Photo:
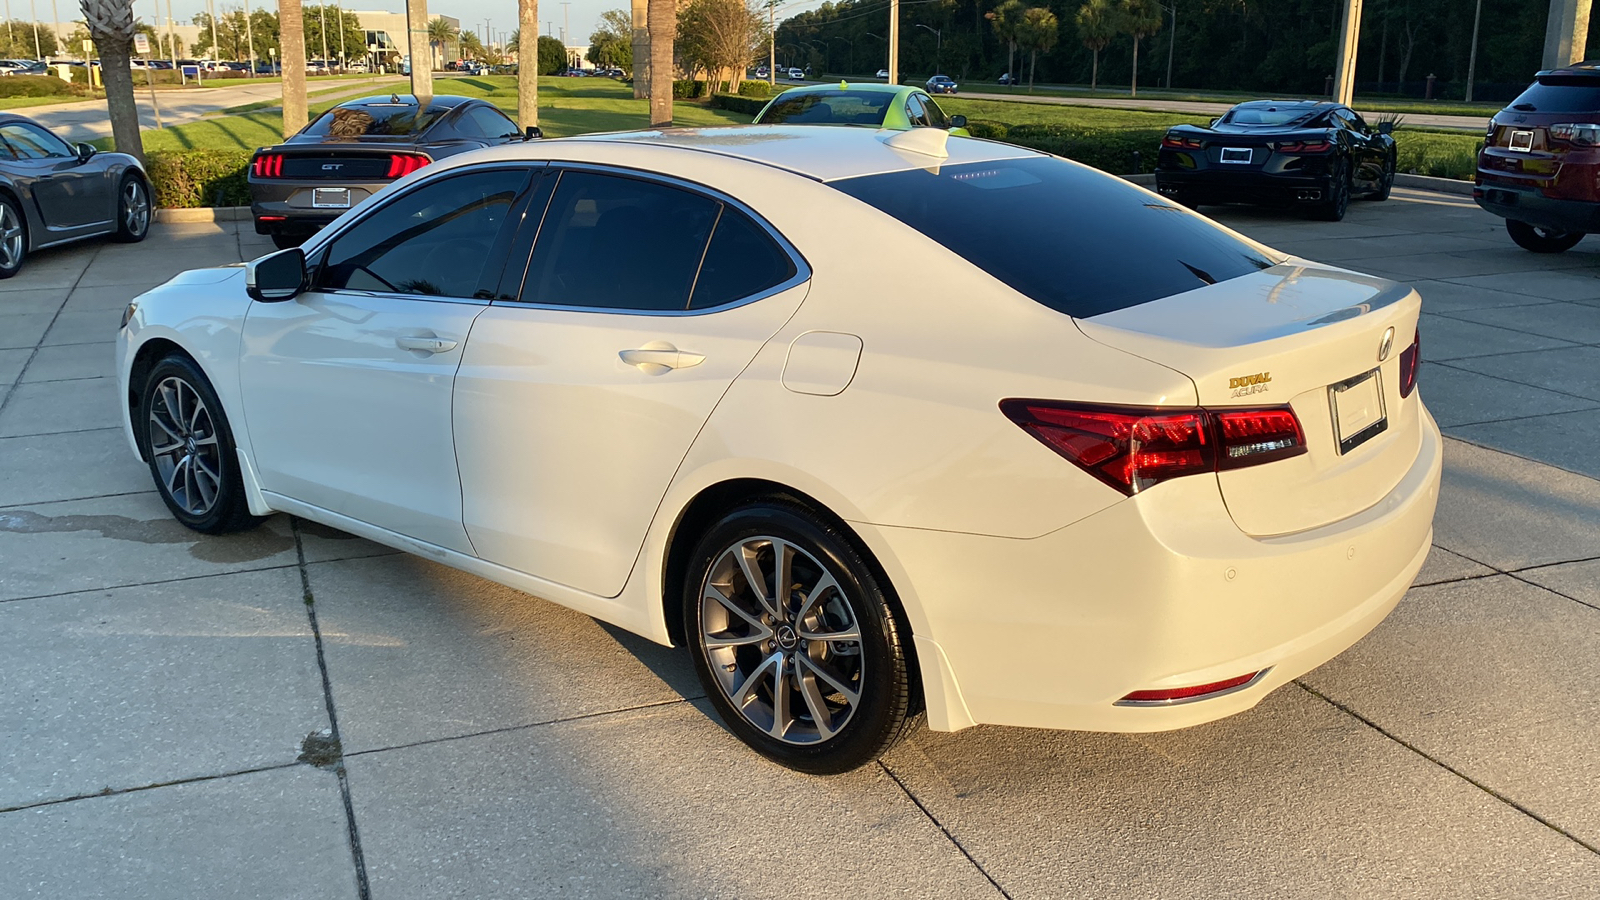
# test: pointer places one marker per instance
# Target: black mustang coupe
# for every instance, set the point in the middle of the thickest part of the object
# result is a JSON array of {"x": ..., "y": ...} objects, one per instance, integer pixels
[
  {"x": 356, "y": 148},
  {"x": 1306, "y": 153}
]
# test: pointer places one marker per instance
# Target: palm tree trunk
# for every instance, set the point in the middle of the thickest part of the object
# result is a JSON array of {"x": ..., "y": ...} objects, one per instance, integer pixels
[
  {"x": 292, "y": 44},
  {"x": 663, "y": 30},
  {"x": 641, "y": 49},
  {"x": 1133, "y": 89},
  {"x": 110, "y": 23},
  {"x": 528, "y": 63}
]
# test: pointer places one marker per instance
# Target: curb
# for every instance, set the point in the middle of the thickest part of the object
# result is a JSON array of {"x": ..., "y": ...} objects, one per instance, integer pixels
[
  {"x": 210, "y": 214},
  {"x": 1430, "y": 183}
]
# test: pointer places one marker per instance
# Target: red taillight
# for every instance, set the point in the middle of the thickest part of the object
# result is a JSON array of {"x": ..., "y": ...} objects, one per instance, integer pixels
[
  {"x": 1303, "y": 147},
  {"x": 1410, "y": 364},
  {"x": 1195, "y": 692},
  {"x": 1132, "y": 448},
  {"x": 267, "y": 165},
  {"x": 403, "y": 164},
  {"x": 1180, "y": 143}
]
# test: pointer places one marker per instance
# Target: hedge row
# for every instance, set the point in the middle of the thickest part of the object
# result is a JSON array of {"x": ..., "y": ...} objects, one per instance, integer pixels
[
  {"x": 185, "y": 179},
  {"x": 37, "y": 86},
  {"x": 1120, "y": 151},
  {"x": 694, "y": 90},
  {"x": 735, "y": 103}
]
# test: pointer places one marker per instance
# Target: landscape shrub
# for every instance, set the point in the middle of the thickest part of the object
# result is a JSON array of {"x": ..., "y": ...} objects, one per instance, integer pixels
[
  {"x": 35, "y": 86},
  {"x": 187, "y": 179},
  {"x": 689, "y": 90},
  {"x": 755, "y": 89},
  {"x": 1439, "y": 155},
  {"x": 735, "y": 103}
]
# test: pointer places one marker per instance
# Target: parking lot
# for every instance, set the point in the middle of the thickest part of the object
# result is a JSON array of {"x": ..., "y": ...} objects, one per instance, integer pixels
[{"x": 157, "y": 688}]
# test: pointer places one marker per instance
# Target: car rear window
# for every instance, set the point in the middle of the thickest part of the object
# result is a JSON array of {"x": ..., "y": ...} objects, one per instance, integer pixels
[
  {"x": 1559, "y": 94},
  {"x": 1073, "y": 238},
  {"x": 1259, "y": 116},
  {"x": 373, "y": 120},
  {"x": 831, "y": 108}
]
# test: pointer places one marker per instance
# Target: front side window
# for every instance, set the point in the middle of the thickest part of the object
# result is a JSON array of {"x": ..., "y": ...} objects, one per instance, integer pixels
[
  {"x": 435, "y": 240},
  {"x": 916, "y": 113},
  {"x": 1074, "y": 239},
  {"x": 33, "y": 142},
  {"x": 936, "y": 116}
]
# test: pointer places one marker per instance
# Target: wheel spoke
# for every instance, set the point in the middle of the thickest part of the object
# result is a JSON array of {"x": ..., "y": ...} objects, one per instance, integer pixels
[
  {"x": 824, "y": 584},
  {"x": 715, "y": 593},
  {"x": 780, "y": 699},
  {"x": 850, "y": 633},
  {"x": 172, "y": 477},
  {"x": 741, "y": 695},
  {"x": 156, "y": 418},
  {"x": 206, "y": 485},
  {"x": 753, "y": 576},
  {"x": 190, "y": 492},
  {"x": 821, "y": 717},
  {"x": 782, "y": 574},
  {"x": 850, "y": 695}
]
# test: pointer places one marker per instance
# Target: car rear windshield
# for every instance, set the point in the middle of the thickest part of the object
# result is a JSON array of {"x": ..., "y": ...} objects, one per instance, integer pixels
[
  {"x": 831, "y": 108},
  {"x": 1557, "y": 94},
  {"x": 1258, "y": 116},
  {"x": 373, "y": 120},
  {"x": 1075, "y": 239}
]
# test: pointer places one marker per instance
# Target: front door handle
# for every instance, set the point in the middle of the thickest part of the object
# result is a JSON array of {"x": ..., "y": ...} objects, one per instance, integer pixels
[
  {"x": 660, "y": 357},
  {"x": 429, "y": 344}
]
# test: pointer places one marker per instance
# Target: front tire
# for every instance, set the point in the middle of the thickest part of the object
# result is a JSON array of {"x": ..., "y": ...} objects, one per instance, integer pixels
[
  {"x": 133, "y": 210},
  {"x": 13, "y": 237},
  {"x": 815, "y": 675},
  {"x": 1542, "y": 240},
  {"x": 1387, "y": 183},
  {"x": 190, "y": 449}
]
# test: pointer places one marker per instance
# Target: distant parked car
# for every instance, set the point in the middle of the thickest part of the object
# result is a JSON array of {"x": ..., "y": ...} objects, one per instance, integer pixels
[
  {"x": 797, "y": 74},
  {"x": 1006, "y": 79},
  {"x": 884, "y": 74},
  {"x": 941, "y": 84},
  {"x": 1307, "y": 153},
  {"x": 1538, "y": 168},
  {"x": 55, "y": 192},
  {"x": 353, "y": 150}
]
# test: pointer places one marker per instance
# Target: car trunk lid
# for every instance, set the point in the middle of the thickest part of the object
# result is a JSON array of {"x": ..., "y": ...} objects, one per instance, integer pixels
[
  {"x": 340, "y": 162},
  {"x": 1304, "y": 336}
]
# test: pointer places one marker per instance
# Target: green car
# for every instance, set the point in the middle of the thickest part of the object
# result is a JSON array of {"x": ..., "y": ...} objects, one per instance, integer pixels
[{"x": 898, "y": 107}]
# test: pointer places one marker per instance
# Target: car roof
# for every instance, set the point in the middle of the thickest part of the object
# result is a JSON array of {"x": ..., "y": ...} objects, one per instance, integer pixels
[
  {"x": 1284, "y": 104},
  {"x": 1589, "y": 68},
  {"x": 867, "y": 87},
  {"x": 817, "y": 152},
  {"x": 448, "y": 101}
]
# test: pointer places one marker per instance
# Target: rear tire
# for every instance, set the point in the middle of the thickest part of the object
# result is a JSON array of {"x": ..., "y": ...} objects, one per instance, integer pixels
[
  {"x": 815, "y": 676},
  {"x": 1333, "y": 208},
  {"x": 190, "y": 448},
  {"x": 1542, "y": 240}
]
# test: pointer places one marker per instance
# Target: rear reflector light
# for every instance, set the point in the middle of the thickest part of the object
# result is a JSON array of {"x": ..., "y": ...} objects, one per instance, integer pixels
[
  {"x": 1410, "y": 364},
  {"x": 1195, "y": 692},
  {"x": 1134, "y": 448},
  {"x": 267, "y": 165},
  {"x": 274, "y": 218},
  {"x": 401, "y": 165}
]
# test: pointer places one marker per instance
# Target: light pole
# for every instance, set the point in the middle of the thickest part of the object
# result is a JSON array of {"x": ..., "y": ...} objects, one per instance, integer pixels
[
  {"x": 879, "y": 37},
  {"x": 851, "y": 47},
  {"x": 250, "y": 38},
  {"x": 1172, "y": 38},
  {"x": 772, "y": 43},
  {"x": 1472, "y": 57},
  {"x": 34, "y": 10},
  {"x": 938, "y": 47},
  {"x": 322, "y": 29},
  {"x": 827, "y": 62}
]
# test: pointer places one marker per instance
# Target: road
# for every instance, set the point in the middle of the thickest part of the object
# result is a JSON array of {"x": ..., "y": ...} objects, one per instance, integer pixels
[
  {"x": 158, "y": 684},
  {"x": 86, "y": 120}
]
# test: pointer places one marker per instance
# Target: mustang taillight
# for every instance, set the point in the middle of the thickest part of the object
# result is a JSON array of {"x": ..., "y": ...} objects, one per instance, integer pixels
[
  {"x": 1410, "y": 365},
  {"x": 267, "y": 165},
  {"x": 1134, "y": 448},
  {"x": 1302, "y": 147},
  {"x": 403, "y": 164},
  {"x": 1179, "y": 142}
]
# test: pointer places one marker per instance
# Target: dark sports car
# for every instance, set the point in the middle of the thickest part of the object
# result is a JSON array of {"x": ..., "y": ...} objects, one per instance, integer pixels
[
  {"x": 52, "y": 192},
  {"x": 354, "y": 149},
  {"x": 1307, "y": 153}
]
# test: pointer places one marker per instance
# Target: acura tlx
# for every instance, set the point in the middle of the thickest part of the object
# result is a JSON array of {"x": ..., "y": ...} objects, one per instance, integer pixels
[{"x": 871, "y": 422}]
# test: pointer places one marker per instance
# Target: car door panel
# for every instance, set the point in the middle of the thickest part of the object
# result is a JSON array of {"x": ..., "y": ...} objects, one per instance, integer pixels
[{"x": 67, "y": 192}]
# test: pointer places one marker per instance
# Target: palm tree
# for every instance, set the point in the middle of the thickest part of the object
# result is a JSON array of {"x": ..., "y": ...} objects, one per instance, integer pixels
[
  {"x": 1007, "y": 17},
  {"x": 1140, "y": 18},
  {"x": 111, "y": 27},
  {"x": 1037, "y": 34},
  {"x": 528, "y": 63},
  {"x": 1097, "y": 25},
  {"x": 641, "y": 49},
  {"x": 663, "y": 31},
  {"x": 292, "y": 44},
  {"x": 440, "y": 35}
]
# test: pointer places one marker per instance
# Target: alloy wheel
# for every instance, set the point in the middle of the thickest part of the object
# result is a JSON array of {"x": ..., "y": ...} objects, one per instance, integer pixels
[
  {"x": 184, "y": 447},
  {"x": 136, "y": 208},
  {"x": 11, "y": 237},
  {"x": 782, "y": 640}
]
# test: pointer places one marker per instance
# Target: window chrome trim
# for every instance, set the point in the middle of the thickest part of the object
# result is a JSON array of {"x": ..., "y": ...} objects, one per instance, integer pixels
[
  {"x": 802, "y": 269},
  {"x": 1199, "y": 697},
  {"x": 390, "y": 295}
]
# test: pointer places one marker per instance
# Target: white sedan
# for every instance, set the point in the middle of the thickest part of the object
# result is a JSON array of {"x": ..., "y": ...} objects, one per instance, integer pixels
[{"x": 872, "y": 422}]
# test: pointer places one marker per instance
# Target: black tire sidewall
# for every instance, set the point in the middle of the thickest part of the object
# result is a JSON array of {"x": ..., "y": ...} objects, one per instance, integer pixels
[
  {"x": 1338, "y": 201},
  {"x": 16, "y": 210},
  {"x": 885, "y": 696},
  {"x": 1528, "y": 238},
  {"x": 231, "y": 510},
  {"x": 123, "y": 233}
]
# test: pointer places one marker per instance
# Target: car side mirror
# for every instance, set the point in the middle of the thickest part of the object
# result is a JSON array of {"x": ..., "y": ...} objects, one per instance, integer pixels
[
  {"x": 958, "y": 121},
  {"x": 1213, "y": 123},
  {"x": 276, "y": 277},
  {"x": 532, "y": 133},
  {"x": 1385, "y": 127},
  {"x": 85, "y": 151}
]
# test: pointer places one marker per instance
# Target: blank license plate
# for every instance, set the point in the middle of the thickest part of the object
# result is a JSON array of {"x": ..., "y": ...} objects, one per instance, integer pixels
[
  {"x": 1236, "y": 155},
  {"x": 330, "y": 198},
  {"x": 1358, "y": 413}
]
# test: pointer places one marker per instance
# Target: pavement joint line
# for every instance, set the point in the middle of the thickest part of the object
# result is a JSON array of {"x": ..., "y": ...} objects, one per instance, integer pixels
[
  {"x": 74, "y": 499},
  {"x": 1460, "y": 280},
  {"x": 80, "y": 378},
  {"x": 1505, "y": 452},
  {"x": 13, "y": 437},
  {"x": 12, "y": 390},
  {"x": 358, "y": 858},
  {"x": 1349, "y": 711},
  {"x": 1519, "y": 418},
  {"x": 1457, "y": 316},
  {"x": 1516, "y": 577},
  {"x": 139, "y": 584},
  {"x": 1513, "y": 380},
  {"x": 598, "y": 714},
  {"x": 940, "y": 825},
  {"x": 117, "y": 792}
]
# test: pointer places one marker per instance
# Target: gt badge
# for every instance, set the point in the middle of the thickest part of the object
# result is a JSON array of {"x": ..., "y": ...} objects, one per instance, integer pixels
[
  {"x": 1387, "y": 344},
  {"x": 1244, "y": 385}
]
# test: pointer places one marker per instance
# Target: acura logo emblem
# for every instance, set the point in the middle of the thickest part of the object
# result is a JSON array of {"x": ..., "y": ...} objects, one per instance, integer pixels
[{"x": 1387, "y": 344}]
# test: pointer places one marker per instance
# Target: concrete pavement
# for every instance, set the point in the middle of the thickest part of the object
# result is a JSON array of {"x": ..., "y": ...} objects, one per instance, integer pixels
[{"x": 159, "y": 686}]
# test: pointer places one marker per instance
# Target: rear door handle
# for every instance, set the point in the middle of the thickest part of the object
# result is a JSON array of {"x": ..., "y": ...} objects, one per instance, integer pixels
[
  {"x": 658, "y": 357},
  {"x": 430, "y": 344}
]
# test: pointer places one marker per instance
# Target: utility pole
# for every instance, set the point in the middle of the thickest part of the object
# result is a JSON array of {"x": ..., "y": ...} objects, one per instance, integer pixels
[
  {"x": 566, "y": 25},
  {"x": 322, "y": 27},
  {"x": 1566, "y": 33},
  {"x": 172, "y": 38},
  {"x": 1172, "y": 38},
  {"x": 55, "y": 28},
  {"x": 1344, "y": 85},
  {"x": 33, "y": 9},
  {"x": 772, "y": 43},
  {"x": 421, "y": 53},
  {"x": 894, "y": 41},
  {"x": 1472, "y": 57},
  {"x": 250, "y": 38}
]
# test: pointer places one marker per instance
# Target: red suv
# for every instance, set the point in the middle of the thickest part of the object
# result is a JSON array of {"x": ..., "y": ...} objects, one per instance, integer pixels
[{"x": 1540, "y": 164}]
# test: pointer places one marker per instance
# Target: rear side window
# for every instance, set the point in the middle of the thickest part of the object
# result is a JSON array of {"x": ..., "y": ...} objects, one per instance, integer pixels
[
  {"x": 830, "y": 108},
  {"x": 1557, "y": 94},
  {"x": 1075, "y": 239},
  {"x": 490, "y": 123},
  {"x": 741, "y": 261}
]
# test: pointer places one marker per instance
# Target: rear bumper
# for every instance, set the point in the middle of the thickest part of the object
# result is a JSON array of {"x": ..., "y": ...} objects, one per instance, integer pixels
[
  {"x": 1524, "y": 203},
  {"x": 1242, "y": 187},
  {"x": 287, "y": 207},
  {"x": 1160, "y": 591}
]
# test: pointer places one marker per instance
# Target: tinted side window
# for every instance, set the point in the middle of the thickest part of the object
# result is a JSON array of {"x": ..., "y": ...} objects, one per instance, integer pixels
[
  {"x": 434, "y": 240},
  {"x": 31, "y": 142},
  {"x": 491, "y": 122},
  {"x": 915, "y": 110},
  {"x": 936, "y": 116},
  {"x": 618, "y": 243},
  {"x": 741, "y": 261}
]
